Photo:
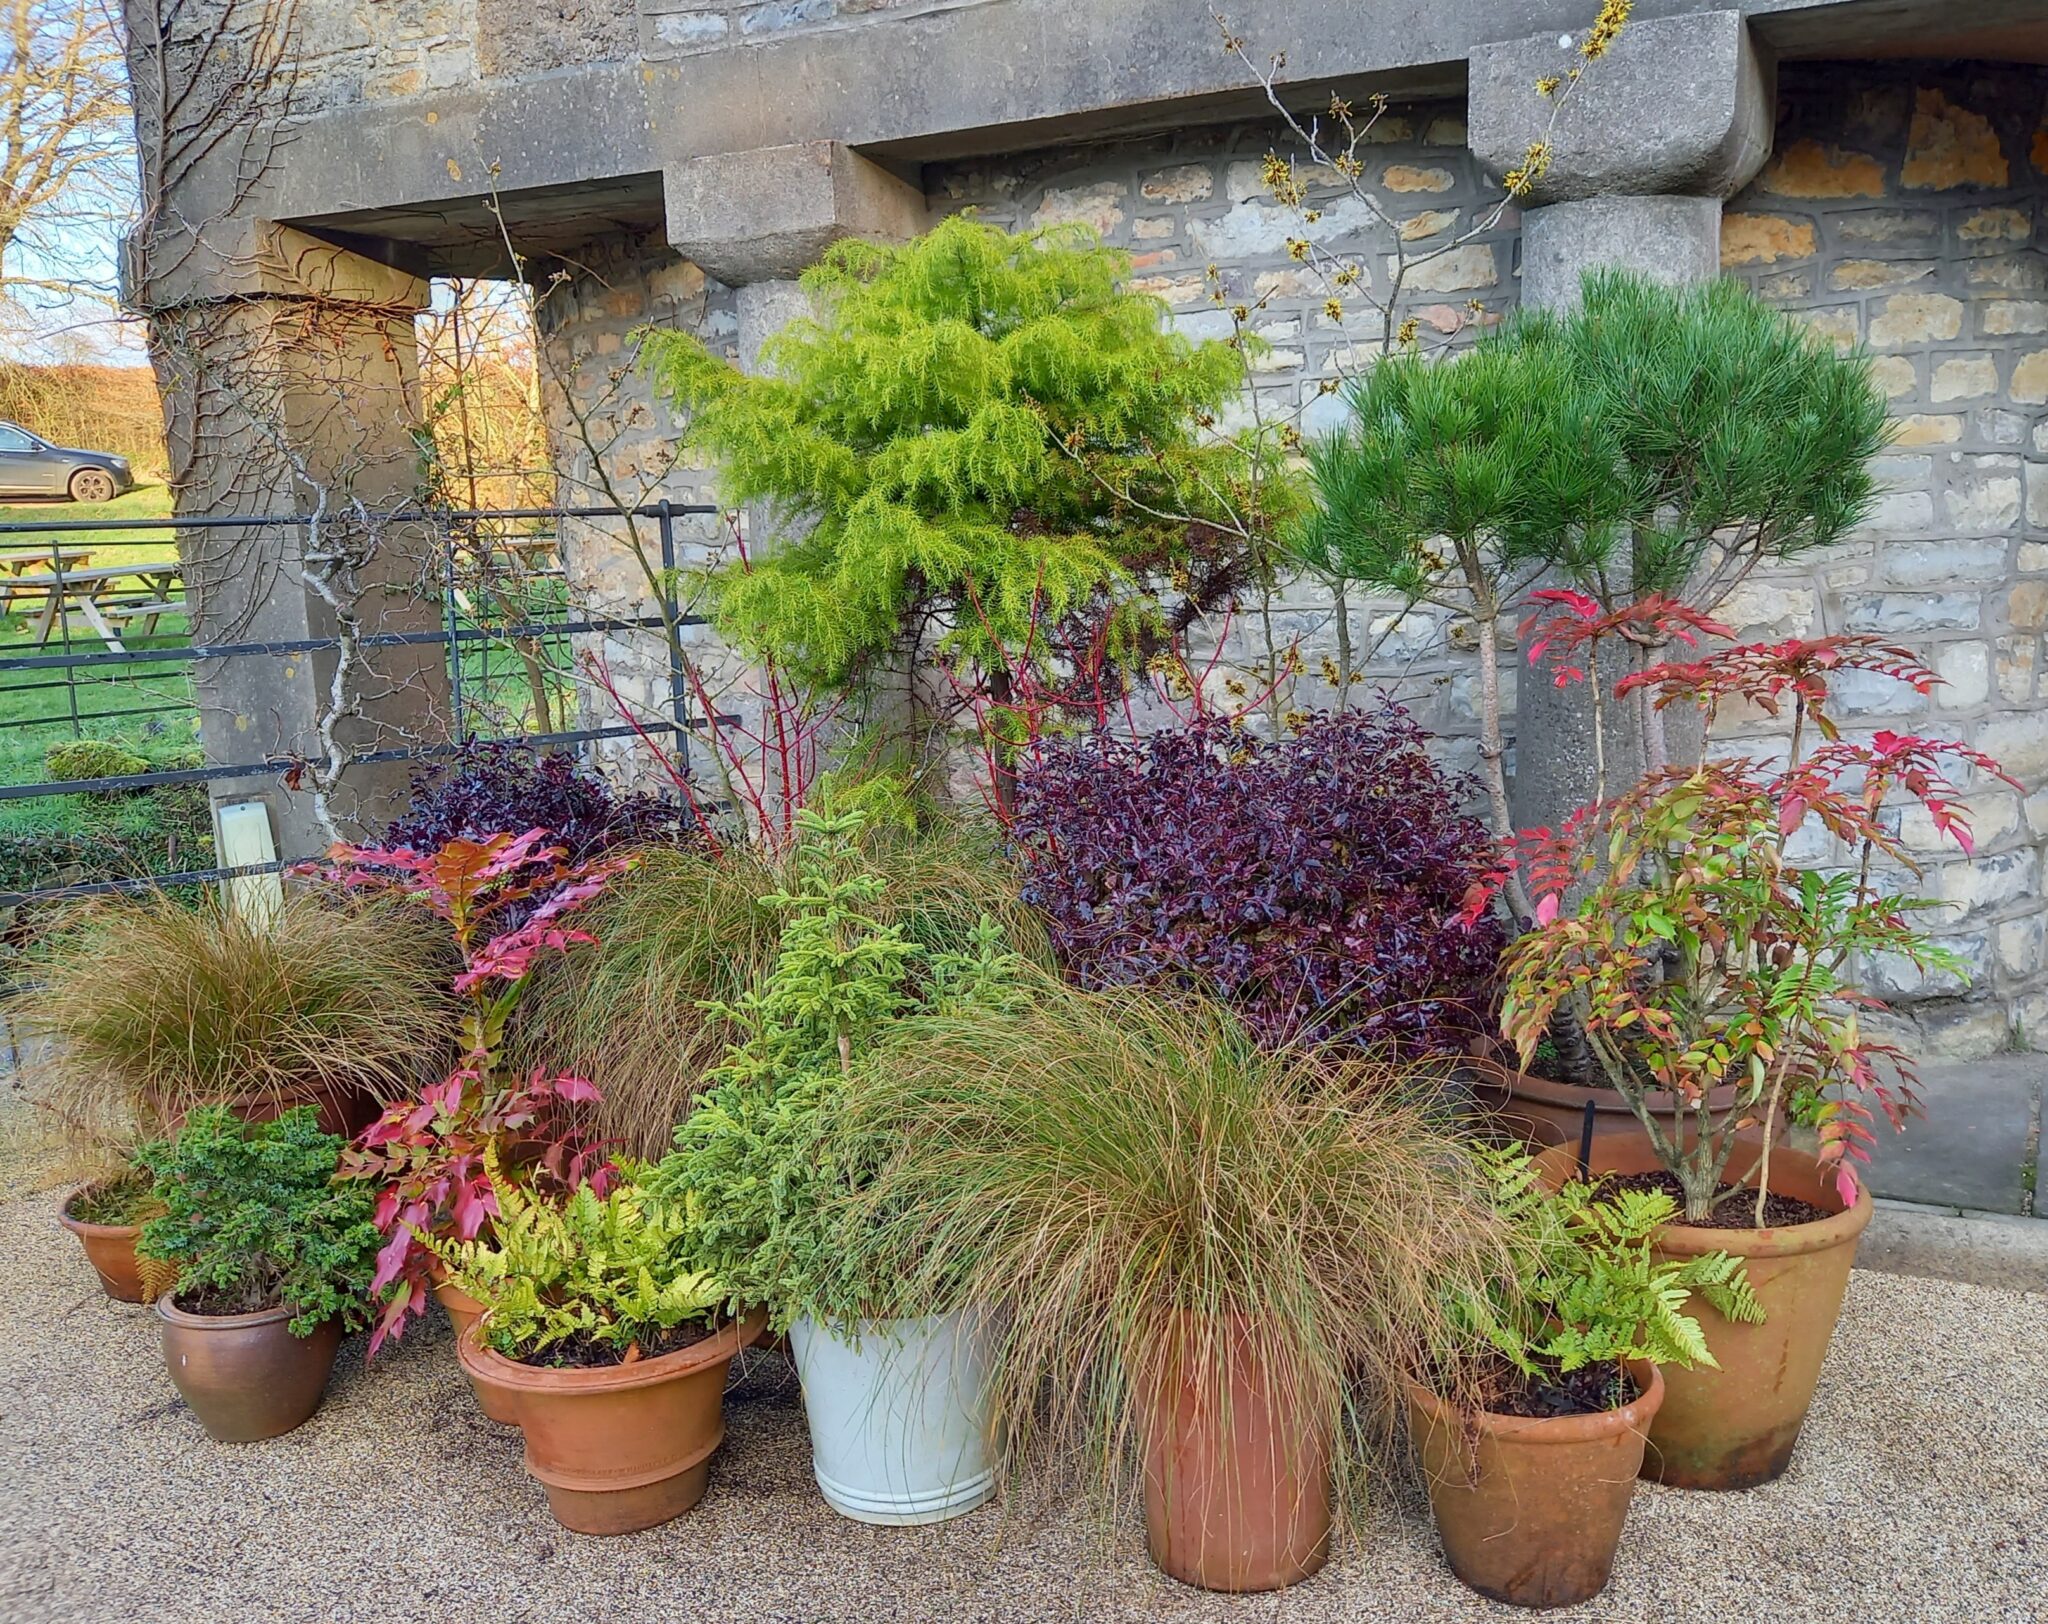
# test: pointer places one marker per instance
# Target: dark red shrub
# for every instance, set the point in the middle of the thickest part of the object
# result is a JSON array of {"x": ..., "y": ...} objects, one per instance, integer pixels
[{"x": 1313, "y": 882}]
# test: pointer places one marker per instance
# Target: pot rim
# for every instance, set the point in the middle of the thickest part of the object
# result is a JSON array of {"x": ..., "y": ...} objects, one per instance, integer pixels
[
  {"x": 1681, "y": 1239},
  {"x": 721, "y": 1344},
  {"x": 78, "y": 1226},
  {"x": 1547, "y": 1091},
  {"x": 175, "y": 1315},
  {"x": 1634, "y": 1416}
]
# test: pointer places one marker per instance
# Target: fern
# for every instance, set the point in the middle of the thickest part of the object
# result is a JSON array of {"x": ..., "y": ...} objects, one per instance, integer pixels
[
  {"x": 1589, "y": 1288},
  {"x": 593, "y": 1272}
]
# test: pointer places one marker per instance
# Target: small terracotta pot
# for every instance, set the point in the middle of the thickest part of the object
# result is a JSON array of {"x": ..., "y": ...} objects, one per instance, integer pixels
[
  {"x": 1530, "y": 1508},
  {"x": 1237, "y": 1478},
  {"x": 1736, "y": 1427},
  {"x": 623, "y": 1447},
  {"x": 1541, "y": 1112},
  {"x": 499, "y": 1404},
  {"x": 110, "y": 1249},
  {"x": 245, "y": 1375}
]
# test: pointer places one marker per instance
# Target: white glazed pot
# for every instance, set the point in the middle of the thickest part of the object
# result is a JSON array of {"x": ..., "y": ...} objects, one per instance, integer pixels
[{"x": 898, "y": 1414}]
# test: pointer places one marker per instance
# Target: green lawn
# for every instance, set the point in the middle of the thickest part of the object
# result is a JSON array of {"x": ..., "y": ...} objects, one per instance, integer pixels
[{"x": 144, "y": 502}]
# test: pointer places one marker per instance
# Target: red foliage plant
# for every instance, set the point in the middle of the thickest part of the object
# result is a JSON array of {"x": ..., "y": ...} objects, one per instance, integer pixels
[
  {"x": 426, "y": 1156},
  {"x": 1701, "y": 955}
]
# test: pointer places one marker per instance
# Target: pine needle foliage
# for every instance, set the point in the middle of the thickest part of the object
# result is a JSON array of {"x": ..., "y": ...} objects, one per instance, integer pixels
[
  {"x": 1654, "y": 440},
  {"x": 994, "y": 430}
]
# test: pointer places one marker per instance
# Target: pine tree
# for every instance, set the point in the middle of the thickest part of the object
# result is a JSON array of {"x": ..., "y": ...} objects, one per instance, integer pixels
[{"x": 977, "y": 439}]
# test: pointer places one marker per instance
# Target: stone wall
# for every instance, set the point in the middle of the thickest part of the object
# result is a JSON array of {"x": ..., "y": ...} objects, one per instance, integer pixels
[
  {"x": 1180, "y": 206},
  {"x": 1900, "y": 211},
  {"x": 616, "y": 445}
]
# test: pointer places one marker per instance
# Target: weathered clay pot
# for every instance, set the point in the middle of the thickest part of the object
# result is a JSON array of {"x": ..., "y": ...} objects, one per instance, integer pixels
[
  {"x": 623, "y": 1447},
  {"x": 245, "y": 1375},
  {"x": 1237, "y": 1478},
  {"x": 499, "y": 1404},
  {"x": 341, "y": 1110},
  {"x": 1540, "y": 1112},
  {"x": 110, "y": 1249},
  {"x": 1530, "y": 1508},
  {"x": 1735, "y": 1427}
]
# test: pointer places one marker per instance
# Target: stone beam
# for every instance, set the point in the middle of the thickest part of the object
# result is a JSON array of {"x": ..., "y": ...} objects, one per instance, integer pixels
[
  {"x": 1679, "y": 104},
  {"x": 762, "y": 216},
  {"x": 1000, "y": 75}
]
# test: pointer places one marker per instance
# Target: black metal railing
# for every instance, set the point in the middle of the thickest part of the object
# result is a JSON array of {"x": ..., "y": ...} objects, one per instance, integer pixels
[{"x": 467, "y": 631}]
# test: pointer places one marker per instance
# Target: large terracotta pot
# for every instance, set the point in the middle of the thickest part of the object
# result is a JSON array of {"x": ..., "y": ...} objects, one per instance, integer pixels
[
  {"x": 1735, "y": 1427},
  {"x": 1237, "y": 1477},
  {"x": 1518, "y": 1105},
  {"x": 341, "y": 1110},
  {"x": 1530, "y": 1508},
  {"x": 499, "y": 1404},
  {"x": 245, "y": 1375},
  {"x": 622, "y": 1447},
  {"x": 110, "y": 1249}
]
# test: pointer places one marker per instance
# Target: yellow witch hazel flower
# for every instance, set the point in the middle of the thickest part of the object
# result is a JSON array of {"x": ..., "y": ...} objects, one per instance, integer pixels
[{"x": 1606, "y": 28}]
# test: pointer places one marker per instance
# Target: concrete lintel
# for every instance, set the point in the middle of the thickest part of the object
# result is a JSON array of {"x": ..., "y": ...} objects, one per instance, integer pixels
[
  {"x": 1679, "y": 104},
  {"x": 766, "y": 215}
]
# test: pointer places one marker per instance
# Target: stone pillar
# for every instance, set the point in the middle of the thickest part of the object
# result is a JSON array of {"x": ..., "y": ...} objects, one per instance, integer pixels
[
  {"x": 755, "y": 221},
  {"x": 1675, "y": 118},
  {"x": 288, "y": 368}
]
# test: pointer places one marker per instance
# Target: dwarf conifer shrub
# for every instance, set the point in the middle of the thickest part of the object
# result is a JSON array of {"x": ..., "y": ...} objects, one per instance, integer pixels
[
  {"x": 1313, "y": 882},
  {"x": 253, "y": 1219},
  {"x": 974, "y": 438}
]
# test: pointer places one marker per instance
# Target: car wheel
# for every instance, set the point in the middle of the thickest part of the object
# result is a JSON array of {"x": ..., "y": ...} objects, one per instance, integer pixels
[{"x": 92, "y": 485}]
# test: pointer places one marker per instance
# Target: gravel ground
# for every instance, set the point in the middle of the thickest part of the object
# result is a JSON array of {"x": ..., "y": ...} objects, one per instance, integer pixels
[{"x": 1920, "y": 1493}]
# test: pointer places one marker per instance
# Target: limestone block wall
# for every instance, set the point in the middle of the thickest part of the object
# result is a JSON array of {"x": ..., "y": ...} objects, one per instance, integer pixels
[
  {"x": 1180, "y": 206},
  {"x": 616, "y": 445},
  {"x": 1900, "y": 212},
  {"x": 1903, "y": 210}
]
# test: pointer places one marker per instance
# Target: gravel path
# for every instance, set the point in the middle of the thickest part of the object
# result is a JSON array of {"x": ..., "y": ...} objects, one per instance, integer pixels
[{"x": 1920, "y": 1494}]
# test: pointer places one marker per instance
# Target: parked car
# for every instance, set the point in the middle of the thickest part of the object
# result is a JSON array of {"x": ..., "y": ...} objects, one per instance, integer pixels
[{"x": 31, "y": 466}]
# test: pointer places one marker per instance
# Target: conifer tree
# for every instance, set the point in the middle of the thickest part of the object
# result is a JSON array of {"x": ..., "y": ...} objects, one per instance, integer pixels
[{"x": 976, "y": 442}]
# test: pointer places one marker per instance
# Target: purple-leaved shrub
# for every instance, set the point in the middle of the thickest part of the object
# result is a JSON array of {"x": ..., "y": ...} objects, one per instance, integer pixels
[{"x": 1312, "y": 882}]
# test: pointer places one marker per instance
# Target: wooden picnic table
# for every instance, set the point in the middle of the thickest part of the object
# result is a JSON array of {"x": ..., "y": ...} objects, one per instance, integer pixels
[
  {"x": 96, "y": 596},
  {"x": 19, "y": 560}
]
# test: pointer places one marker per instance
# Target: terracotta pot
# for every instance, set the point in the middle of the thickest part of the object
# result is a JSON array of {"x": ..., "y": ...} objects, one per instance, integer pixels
[
  {"x": 245, "y": 1375},
  {"x": 1530, "y": 1508},
  {"x": 623, "y": 1447},
  {"x": 1540, "y": 1112},
  {"x": 342, "y": 1110},
  {"x": 499, "y": 1404},
  {"x": 110, "y": 1249},
  {"x": 1735, "y": 1427},
  {"x": 1237, "y": 1478}
]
